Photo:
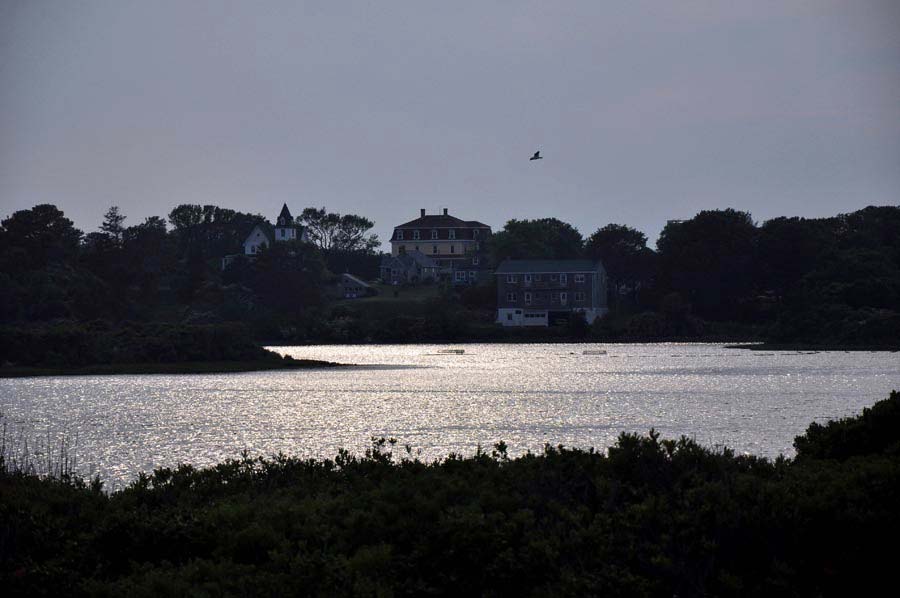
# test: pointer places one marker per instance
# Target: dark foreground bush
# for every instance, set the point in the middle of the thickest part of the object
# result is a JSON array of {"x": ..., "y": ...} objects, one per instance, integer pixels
[{"x": 651, "y": 518}]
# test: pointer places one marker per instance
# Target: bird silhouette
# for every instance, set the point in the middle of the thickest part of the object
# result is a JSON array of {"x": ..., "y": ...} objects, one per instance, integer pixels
[{"x": 537, "y": 156}]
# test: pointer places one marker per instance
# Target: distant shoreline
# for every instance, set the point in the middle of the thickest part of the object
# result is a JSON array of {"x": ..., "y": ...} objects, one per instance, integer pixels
[
  {"x": 189, "y": 367},
  {"x": 808, "y": 347},
  {"x": 754, "y": 345}
]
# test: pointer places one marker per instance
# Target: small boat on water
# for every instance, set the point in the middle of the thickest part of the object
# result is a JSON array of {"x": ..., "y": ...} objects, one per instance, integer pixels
[
  {"x": 451, "y": 351},
  {"x": 594, "y": 352}
]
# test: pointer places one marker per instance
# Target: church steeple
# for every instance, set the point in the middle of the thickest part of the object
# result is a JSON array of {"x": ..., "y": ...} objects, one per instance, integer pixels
[
  {"x": 285, "y": 218},
  {"x": 285, "y": 229}
]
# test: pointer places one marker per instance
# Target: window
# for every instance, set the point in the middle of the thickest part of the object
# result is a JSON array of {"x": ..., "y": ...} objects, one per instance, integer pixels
[
  {"x": 416, "y": 235},
  {"x": 472, "y": 275},
  {"x": 554, "y": 277},
  {"x": 511, "y": 297},
  {"x": 511, "y": 279},
  {"x": 579, "y": 278},
  {"x": 509, "y": 317},
  {"x": 460, "y": 276},
  {"x": 452, "y": 233},
  {"x": 527, "y": 278},
  {"x": 434, "y": 249},
  {"x": 563, "y": 279},
  {"x": 475, "y": 233},
  {"x": 402, "y": 248},
  {"x": 417, "y": 247},
  {"x": 434, "y": 234},
  {"x": 399, "y": 235},
  {"x": 563, "y": 298},
  {"x": 475, "y": 261},
  {"x": 579, "y": 295},
  {"x": 282, "y": 231},
  {"x": 527, "y": 298},
  {"x": 537, "y": 278},
  {"x": 452, "y": 249}
]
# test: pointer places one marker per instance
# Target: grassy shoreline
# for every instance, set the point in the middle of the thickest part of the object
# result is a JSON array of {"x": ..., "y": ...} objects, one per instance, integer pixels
[{"x": 191, "y": 367}]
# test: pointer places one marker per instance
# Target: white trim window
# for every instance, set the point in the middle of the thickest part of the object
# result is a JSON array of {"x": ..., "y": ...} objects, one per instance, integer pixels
[
  {"x": 460, "y": 276},
  {"x": 475, "y": 260},
  {"x": 416, "y": 235},
  {"x": 453, "y": 249},
  {"x": 434, "y": 249},
  {"x": 472, "y": 274},
  {"x": 512, "y": 279},
  {"x": 579, "y": 279},
  {"x": 563, "y": 298},
  {"x": 475, "y": 233},
  {"x": 554, "y": 277},
  {"x": 528, "y": 279},
  {"x": 511, "y": 297},
  {"x": 452, "y": 233},
  {"x": 434, "y": 234},
  {"x": 399, "y": 235},
  {"x": 579, "y": 296},
  {"x": 563, "y": 279},
  {"x": 527, "y": 298}
]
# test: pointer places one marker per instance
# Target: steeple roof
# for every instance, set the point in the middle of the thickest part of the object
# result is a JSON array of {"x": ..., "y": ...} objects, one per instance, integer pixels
[{"x": 285, "y": 218}]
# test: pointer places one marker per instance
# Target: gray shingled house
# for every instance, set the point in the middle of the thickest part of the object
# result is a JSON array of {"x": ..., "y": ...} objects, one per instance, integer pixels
[
  {"x": 408, "y": 267},
  {"x": 538, "y": 292}
]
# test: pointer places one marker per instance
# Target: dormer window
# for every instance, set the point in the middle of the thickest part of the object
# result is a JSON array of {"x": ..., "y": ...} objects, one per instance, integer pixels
[
  {"x": 475, "y": 233},
  {"x": 399, "y": 235},
  {"x": 452, "y": 233},
  {"x": 434, "y": 234},
  {"x": 415, "y": 235}
]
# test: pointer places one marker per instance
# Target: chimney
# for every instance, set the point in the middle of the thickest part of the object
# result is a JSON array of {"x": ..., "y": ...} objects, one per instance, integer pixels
[
  {"x": 445, "y": 211},
  {"x": 422, "y": 212}
]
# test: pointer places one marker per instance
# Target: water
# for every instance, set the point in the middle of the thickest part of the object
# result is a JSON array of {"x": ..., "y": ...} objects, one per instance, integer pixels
[{"x": 526, "y": 395}]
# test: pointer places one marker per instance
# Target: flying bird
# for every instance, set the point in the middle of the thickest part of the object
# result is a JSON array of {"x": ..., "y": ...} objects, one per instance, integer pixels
[{"x": 537, "y": 156}]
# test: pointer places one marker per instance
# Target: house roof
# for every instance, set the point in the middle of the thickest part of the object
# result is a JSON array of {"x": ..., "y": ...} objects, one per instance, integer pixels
[
  {"x": 441, "y": 221},
  {"x": 353, "y": 279},
  {"x": 547, "y": 266},
  {"x": 286, "y": 214},
  {"x": 410, "y": 258},
  {"x": 267, "y": 229}
]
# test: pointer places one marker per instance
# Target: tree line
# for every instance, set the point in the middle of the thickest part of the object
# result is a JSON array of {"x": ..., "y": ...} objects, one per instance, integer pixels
[
  {"x": 832, "y": 280},
  {"x": 827, "y": 280}
]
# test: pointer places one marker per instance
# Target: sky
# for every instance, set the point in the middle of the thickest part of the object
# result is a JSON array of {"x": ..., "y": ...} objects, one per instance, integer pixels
[{"x": 645, "y": 111}]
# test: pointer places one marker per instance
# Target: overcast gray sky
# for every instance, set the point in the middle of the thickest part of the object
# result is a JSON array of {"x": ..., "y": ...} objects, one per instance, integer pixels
[{"x": 645, "y": 111}]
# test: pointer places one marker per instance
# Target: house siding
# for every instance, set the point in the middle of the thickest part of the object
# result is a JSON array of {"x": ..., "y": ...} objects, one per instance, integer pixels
[{"x": 531, "y": 297}]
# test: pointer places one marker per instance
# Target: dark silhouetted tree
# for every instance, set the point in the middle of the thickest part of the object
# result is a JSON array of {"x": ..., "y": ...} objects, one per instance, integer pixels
[{"x": 546, "y": 238}]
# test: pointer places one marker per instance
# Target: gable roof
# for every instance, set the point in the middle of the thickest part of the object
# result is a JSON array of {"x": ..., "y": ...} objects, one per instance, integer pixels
[
  {"x": 346, "y": 276},
  {"x": 267, "y": 229},
  {"x": 551, "y": 266},
  {"x": 408, "y": 259}
]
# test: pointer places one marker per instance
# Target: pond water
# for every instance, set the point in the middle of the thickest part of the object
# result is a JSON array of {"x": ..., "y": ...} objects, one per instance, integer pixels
[{"x": 525, "y": 395}]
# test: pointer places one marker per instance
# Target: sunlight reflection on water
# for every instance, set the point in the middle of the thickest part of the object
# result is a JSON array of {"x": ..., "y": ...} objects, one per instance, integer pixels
[{"x": 526, "y": 395}]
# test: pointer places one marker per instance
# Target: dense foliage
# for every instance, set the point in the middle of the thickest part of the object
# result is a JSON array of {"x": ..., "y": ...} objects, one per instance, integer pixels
[
  {"x": 717, "y": 276},
  {"x": 652, "y": 517},
  {"x": 76, "y": 345}
]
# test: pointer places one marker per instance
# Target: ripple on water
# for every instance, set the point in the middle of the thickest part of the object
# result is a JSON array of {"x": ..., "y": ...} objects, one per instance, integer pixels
[{"x": 526, "y": 395}]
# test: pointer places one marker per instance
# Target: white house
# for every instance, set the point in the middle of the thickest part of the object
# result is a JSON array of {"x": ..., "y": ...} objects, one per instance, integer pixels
[{"x": 264, "y": 235}]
